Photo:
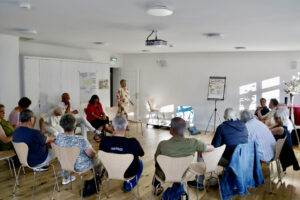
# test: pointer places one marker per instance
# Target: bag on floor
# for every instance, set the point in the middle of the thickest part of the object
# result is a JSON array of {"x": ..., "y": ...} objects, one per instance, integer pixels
[
  {"x": 193, "y": 130},
  {"x": 175, "y": 192}
]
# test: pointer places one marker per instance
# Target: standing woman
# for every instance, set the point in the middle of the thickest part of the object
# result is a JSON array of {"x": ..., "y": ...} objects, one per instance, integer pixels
[
  {"x": 95, "y": 114},
  {"x": 123, "y": 98},
  {"x": 6, "y": 131}
]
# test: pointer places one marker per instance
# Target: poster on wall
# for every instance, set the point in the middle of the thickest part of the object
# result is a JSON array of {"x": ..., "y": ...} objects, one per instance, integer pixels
[
  {"x": 216, "y": 88},
  {"x": 87, "y": 81},
  {"x": 103, "y": 84}
]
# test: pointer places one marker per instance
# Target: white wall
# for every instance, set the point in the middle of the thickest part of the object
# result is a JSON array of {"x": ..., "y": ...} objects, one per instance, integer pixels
[
  {"x": 28, "y": 48},
  {"x": 9, "y": 72},
  {"x": 184, "y": 81}
]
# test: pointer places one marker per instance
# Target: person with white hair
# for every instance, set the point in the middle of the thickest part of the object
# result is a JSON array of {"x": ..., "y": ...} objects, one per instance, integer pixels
[
  {"x": 231, "y": 132},
  {"x": 287, "y": 156},
  {"x": 178, "y": 146},
  {"x": 50, "y": 122},
  {"x": 119, "y": 144},
  {"x": 259, "y": 133}
]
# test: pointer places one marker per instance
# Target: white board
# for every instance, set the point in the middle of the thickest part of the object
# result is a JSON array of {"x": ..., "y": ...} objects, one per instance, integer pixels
[{"x": 216, "y": 88}]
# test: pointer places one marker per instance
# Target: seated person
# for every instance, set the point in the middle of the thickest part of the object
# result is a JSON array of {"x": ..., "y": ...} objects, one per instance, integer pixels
[
  {"x": 259, "y": 133},
  {"x": 38, "y": 153},
  {"x": 87, "y": 157},
  {"x": 290, "y": 124},
  {"x": 263, "y": 109},
  {"x": 268, "y": 118},
  {"x": 95, "y": 114},
  {"x": 287, "y": 155},
  {"x": 50, "y": 122},
  {"x": 80, "y": 121},
  {"x": 119, "y": 144},
  {"x": 231, "y": 132},
  {"x": 14, "y": 116},
  {"x": 178, "y": 146},
  {"x": 6, "y": 132}
]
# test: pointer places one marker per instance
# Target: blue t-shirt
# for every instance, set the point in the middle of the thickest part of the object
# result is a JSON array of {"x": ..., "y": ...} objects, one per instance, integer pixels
[{"x": 36, "y": 142}]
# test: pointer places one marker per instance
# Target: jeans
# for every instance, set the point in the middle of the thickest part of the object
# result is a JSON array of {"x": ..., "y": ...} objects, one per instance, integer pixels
[
  {"x": 49, "y": 158},
  {"x": 135, "y": 179}
]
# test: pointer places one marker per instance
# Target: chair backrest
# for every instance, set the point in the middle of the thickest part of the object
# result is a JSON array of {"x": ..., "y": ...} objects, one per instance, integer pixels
[
  {"x": 115, "y": 164},
  {"x": 67, "y": 156},
  {"x": 151, "y": 104},
  {"x": 211, "y": 159},
  {"x": 21, "y": 149},
  {"x": 131, "y": 110},
  {"x": 278, "y": 147},
  {"x": 174, "y": 167},
  {"x": 111, "y": 112}
]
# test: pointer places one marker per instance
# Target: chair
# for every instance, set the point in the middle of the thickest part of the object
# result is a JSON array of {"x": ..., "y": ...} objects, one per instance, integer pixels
[
  {"x": 67, "y": 157},
  {"x": 278, "y": 148},
  {"x": 154, "y": 111},
  {"x": 116, "y": 166},
  {"x": 132, "y": 117},
  {"x": 174, "y": 169},
  {"x": 8, "y": 155},
  {"x": 210, "y": 164},
  {"x": 21, "y": 149},
  {"x": 111, "y": 112}
]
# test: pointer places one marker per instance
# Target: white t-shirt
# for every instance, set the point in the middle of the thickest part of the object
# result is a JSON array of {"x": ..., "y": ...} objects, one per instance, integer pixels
[{"x": 51, "y": 119}]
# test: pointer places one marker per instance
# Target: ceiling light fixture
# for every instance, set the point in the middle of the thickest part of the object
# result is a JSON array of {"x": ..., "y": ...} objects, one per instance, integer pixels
[
  {"x": 28, "y": 31},
  {"x": 25, "y": 5},
  {"x": 145, "y": 50},
  {"x": 240, "y": 48},
  {"x": 213, "y": 35},
  {"x": 159, "y": 10},
  {"x": 101, "y": 43}
]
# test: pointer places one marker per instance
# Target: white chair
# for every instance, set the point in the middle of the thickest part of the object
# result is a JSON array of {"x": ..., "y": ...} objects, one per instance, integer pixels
[
  {"x": 21, "y": 149},
  {"x": 116, "y": 166},
  {"x": 174, "y": 169},
  {"x": 210, "y": 164},
  {"x": 133, "y": 118},
  {"x": 8, "y": 155},
  {"x": 111, "y": 112},
  {"x": 67, "y": 157},
  {"x": 154, "y": 111},
  {"x": 278, "y": 148}
]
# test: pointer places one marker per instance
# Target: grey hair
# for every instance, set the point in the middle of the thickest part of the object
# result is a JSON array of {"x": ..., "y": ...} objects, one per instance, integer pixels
[
  {"x": 25, "y": 115},
  {"x": 68, "y": 122},
  {"x": 179, "y": 125},
  {"x": 246, "y": 115},
  {"x": 282, "y": 114},
  {"x": 230, "y": 114},
  {"x": 119, "y": 123}
]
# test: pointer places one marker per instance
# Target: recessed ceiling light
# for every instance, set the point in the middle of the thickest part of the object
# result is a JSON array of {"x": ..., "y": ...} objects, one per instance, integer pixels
[
  {"x": 101, "y": 43},
  {"x": 145, "y": 50},
  {"x": 25, "y": 5},
  {"x": 213, "y": 35},
  {"x": 159, "y": 10},
  {"x": 240, "y": 48},
  {"x": 28, "y": 31}
]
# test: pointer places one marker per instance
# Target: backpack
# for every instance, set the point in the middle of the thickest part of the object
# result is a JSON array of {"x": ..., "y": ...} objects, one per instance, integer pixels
[{"x": 175, "y": 192}]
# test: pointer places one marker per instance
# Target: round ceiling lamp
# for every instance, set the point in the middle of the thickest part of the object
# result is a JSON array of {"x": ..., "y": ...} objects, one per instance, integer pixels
[{"x": 159, "y": 11}]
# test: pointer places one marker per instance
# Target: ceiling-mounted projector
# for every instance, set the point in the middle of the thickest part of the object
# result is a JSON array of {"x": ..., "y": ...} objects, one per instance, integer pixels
[{"x": 155, "y": 42}]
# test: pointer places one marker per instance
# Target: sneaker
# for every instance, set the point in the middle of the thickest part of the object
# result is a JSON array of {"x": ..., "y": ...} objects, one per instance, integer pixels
[
  {"x": 97, "y": 132},
  {"x": 158, "y": 191},
  {"x": 66, "y": 181},
  {"x": 41, "y": 169},
  {"x": 193, "y": 184}
]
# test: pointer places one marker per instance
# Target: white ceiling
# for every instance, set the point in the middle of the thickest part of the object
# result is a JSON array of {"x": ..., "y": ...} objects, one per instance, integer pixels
[{"x": 260, "y": 25}]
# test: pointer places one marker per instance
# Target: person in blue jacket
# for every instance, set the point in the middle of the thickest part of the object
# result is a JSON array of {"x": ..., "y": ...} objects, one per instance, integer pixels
[{"x": 231, "y": 132}]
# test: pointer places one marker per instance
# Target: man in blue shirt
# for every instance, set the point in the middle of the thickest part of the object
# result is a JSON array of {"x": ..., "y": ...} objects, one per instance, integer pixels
[
  {"x": 38, "y": 152},
  {"x": 263, "y": 108}
]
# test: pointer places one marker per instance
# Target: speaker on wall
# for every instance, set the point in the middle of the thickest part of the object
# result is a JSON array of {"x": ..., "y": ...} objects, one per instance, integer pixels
[{"x": 295, "y": 65}]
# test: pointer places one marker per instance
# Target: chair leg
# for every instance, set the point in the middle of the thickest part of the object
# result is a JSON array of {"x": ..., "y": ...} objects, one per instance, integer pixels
[
  {"x": 23, "y": 170},
  {"x": 16, "y": 181},
  {"x": 137, "y": 187},
  {"x": 33, "y": 184},
  {"x": 8, "y": 160},
  {"x": 132, "y": 195},
  {"x": 270, "y": 178},
  {"x": 95, "y": 179},
  {"x": 40, "y": 177},
  {"x": 278, "y": 171},
  {"x": 197, "y": 192},
  {"x": 107, "y": 195},
  {"x": 56, "y": 183},
  {"x": 14, "y": 168},
  {"x": 99, "y": 195},
  {"x": 70, "y": 177},
  {"x": 187, "y": 189},
  {"x": 81, "y": 187},
  {"x": 220, "y": 191}
]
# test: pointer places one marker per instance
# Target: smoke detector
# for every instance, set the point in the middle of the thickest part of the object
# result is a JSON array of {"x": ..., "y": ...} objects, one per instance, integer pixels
[{"x": 155, "y": 42}]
